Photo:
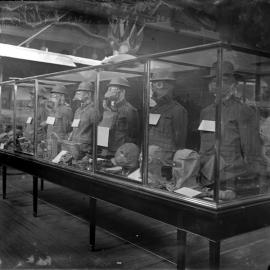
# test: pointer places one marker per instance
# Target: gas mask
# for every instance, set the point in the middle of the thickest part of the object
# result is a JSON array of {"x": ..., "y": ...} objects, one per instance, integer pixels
[
  {"x": 55, "y": 100},
  {"x": 228, "y": 87},
  {"x": 155, "y": 164},
  {"x": 186, "y": 165},
  {"x": 113, "y": 96},
  {"x": 159, "y": 90},
  {"x": 82, "y": 97}
]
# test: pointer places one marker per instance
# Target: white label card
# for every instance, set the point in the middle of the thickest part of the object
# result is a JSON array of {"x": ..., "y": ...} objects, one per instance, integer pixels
[
  {"x": 103, "y": 136},
  {"x": 58, "y": 157},
  {"x": 189, "y": 192},
  {"x": 2, "y": 146},
  {"x": 75, "y": 123},
  {"x": 50, "y": 120},
  {"x": 136, "y": 175},
  {"x": 208, "y": 125},
  {"x": 153, "y": 118},
  {"x": 29, "y": 120}
]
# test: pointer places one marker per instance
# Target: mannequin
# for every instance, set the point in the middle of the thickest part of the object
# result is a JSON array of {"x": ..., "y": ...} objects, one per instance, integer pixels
[{"x": 119, "y": 115}]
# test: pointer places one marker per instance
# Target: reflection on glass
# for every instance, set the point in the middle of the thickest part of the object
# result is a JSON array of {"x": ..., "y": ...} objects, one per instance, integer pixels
[
  {"x": 119, "y": 135},
  {"x": 6, "y": 123},
  {"x": 24, "y": 121}
]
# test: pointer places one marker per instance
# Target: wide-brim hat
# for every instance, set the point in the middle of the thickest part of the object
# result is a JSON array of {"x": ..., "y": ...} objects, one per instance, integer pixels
[
  {"x": 59, "y": 89},
  {"x": 163, "y": 76},
  {"x": 86, "y": 86},
  {"x": 119, "y": 81},
  {"x": 227, "y": 69}
]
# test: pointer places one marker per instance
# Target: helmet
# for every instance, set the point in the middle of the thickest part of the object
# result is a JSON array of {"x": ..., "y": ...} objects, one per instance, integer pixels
[
  {"x": 86, "y": 86},
  {"x": 42, "y": 92},
  {"x": 127, "y": 156},
  {"x": 119, "y": 81},
  {"x": 163, "y": 76},
  {"x": 60, "y": 89},
  {"x": 227, "y": 69}
]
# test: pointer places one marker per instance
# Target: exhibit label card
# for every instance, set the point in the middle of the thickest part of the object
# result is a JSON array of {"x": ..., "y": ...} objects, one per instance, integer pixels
[
  {"x": 208, "y": 125},
  {"x": 153, "y": 118},
  {"x": 103, "y": 136},
  {"x": 75, "y": 123},
  {"x": 189, "y": 192},
  {"x": 29, "y": 120},
  {"x": 50, "y": 120},
  {"x": 58, "y": 157},
  {"x": 136, "y": 175}
]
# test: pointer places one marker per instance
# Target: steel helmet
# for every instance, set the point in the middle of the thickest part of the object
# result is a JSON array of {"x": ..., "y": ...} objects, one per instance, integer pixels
[
  {"x": 42, "y": 92},
  {"x": 59, "y": 89},
  {"x": 163, "y": 76},
  {"x": 119, "y": 81},
  {"x": 86, "y": 86}
]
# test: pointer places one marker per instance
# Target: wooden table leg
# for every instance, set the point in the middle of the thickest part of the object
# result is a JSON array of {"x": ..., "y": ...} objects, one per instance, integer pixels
[
  {"x": 41, "y": 184},
  {"x": 214, "y": 255},
  {"x": 35, "y": 195},
  {"x": 181, "y": 249},
  {"x": 4, "y": 181},
  {"x": 92, "y": 222}
]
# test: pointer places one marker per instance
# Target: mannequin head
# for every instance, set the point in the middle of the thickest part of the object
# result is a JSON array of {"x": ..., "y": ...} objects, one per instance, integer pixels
[
  {"x": 162, "y": 85},
  {"x": 116, "y": 92},
  {"x": 229, "y": 83},
  {"x": 57, "y": 96},
  {"x": 84, "y": 93}
]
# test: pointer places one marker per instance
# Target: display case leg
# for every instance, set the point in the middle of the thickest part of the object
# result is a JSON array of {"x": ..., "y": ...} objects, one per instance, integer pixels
[
  {"x": 4, "y": 181},
  {"x": 214, "y": 255},
  {"x": 92, "y": 222},
  {"x": 35, "y": 195},
  {"x": 41, "y": 184},
  {"x": 181, "y": 249}
]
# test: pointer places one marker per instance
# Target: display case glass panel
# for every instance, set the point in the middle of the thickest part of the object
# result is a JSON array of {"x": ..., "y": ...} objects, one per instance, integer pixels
[
  {"x": 177, "y": 128},
  {"x": 70, "y": 119},
  {"x": 25, "y": 95},
  {"x": 7, "y": 117},
  {"x": 120, "y": 130},
  {"x": 244, "y": 126}
]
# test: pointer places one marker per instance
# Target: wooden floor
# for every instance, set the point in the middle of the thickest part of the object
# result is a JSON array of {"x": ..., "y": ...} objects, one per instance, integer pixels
[{"x": 59, "y": 236}]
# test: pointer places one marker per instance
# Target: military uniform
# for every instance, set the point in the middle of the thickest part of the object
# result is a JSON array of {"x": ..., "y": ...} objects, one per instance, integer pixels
[
  {"x": 83, "y": 134},
  {"x": 59, "y": 130},
  {"x": 42, "y": 115},
  {"x": 125, "y": 126},
  {"x": 171, "y": 130},
  {"x": 240, "y": 144}
]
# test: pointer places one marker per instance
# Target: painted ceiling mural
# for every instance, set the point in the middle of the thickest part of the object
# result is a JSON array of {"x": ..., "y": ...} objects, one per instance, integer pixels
[{"x": 241, "y": 21}]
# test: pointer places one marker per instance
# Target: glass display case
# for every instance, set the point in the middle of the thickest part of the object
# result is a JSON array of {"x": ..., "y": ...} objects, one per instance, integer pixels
[
  {"x": 7, "y": 116},
  {"x": 24, "y": 116},
  {"x": 190, "y": 124}
]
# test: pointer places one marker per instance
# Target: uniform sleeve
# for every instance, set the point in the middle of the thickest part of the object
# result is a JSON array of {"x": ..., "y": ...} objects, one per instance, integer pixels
[
  {"x": 67, "y": 119},
  {"x": 180, "y": 121},
  {"x": 251, "y": 144},
  {"x": 133, "y": 125}
]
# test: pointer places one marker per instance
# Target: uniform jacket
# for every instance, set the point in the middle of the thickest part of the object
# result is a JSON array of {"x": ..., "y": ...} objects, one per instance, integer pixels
[
  {"x": 171, "y": 130},
  {"x": 125, "y": 126},
  {"x": 63, "y": 117},
  {"x": 240, "y": 144},
  {"x": 42, "y": 114},
  {"x": 84, "y": 132}
]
